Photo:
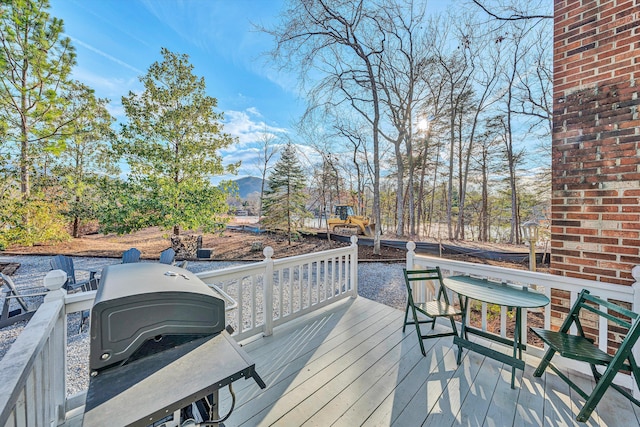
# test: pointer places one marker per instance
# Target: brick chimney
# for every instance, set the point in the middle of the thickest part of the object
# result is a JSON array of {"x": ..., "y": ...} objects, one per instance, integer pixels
[{"x": 596, "y": 140}]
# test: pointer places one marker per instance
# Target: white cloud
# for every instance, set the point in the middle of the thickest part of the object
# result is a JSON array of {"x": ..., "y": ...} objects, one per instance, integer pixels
[
  {"x": 104, "y": 54},
  {"x": 250, "y": 130},
  {"x": 254, "y": 111},
  {"x": 242, "y": 125},
  {"x": 104, "y": 86},
  {"x": 116, "y": 110}
]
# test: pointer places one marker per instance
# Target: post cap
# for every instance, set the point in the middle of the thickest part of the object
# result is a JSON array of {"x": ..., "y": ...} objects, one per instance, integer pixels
[{"x": 54, "y": 279}]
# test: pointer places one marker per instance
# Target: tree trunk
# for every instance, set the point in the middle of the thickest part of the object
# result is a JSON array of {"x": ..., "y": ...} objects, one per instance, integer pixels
[
  {"x": 484, "y": 209},
  {"x": 76, "y": 227},
  {"x": 399, "y": 191},
  {"x": 25, "y": 187}
]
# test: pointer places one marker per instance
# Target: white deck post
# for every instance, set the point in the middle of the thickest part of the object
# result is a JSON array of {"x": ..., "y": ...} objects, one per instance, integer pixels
[
  {"x": 411, "y": 254},
  {"x": 53, "y": 281},
  {"x": 268, "y": 291},
  {"x": 353, "y": 266},
  {"x": 419, "y": 292},
  {"x": 635, "y": 272}
]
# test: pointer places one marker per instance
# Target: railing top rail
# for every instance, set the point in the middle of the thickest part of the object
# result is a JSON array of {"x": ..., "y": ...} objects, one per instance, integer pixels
[
  {"x": 245, "y": 269},
  {"x": 312, "y": 256},
  {"x": 530, "y": 277},
  {"x": 258, "y": 266}
]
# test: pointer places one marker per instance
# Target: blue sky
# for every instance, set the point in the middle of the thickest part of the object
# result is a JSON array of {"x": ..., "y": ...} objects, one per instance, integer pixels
[{"x": 117, "y": 40}]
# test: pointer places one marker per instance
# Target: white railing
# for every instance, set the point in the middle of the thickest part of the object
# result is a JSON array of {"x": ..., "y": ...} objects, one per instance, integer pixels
[
  {"x": 32, "y": 383},
  {"x": 268, "y": 293},
  {"x": 541, "y": 282},
  {"x": 272, "y": 292}
]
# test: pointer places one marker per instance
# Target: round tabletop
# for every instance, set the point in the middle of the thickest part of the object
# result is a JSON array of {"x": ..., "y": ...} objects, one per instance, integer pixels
[{"x": 495, "y": 293}]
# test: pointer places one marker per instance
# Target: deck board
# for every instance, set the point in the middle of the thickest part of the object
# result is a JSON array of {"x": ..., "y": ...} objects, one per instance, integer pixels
[
  {"x": 352, "y": 365},
  {"x": 349, "y": 364}
]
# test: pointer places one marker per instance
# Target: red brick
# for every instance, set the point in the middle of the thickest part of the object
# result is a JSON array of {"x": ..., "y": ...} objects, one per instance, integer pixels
[
  {"x": 621, "y": 217},
  {"x": 581, "y": 231},
  {"x": 621, "y": 250},
  {"x": 596, "y": 138},
  {"x": 600, "y": 271},
  {"x": 581, "y": 261},
  {"x": 581, "y": 276},
  {"x": 621, "y": 233}
]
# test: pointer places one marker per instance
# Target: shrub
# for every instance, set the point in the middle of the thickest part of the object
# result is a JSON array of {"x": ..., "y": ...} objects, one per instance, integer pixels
[{"x": 30, "y": 222}]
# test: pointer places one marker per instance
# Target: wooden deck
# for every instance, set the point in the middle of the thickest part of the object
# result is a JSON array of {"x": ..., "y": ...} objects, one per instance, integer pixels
[{"x": 351, "y": 365}]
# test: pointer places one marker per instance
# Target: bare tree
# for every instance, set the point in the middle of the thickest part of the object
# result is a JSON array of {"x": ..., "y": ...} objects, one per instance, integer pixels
[
  {"x": 337, "y": 41},
  {"x": 402, "y": 67},
  {"x": 268, "y": 149},
  {"x": 357, "y": 162},
  {"x": 456, "y": 68},
  {"x": 485, "y": 77}
]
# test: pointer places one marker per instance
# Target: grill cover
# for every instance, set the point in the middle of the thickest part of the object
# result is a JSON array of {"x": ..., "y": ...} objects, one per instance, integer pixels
[{"x": 143, "y": 308}]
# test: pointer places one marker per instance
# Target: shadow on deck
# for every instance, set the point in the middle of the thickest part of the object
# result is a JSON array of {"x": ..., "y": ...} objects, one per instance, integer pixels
[{"x": 350, "y": 365}]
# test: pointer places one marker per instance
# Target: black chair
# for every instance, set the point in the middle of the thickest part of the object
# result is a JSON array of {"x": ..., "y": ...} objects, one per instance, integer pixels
[
  {"x": 439, "y": 307},
  {"x": 24, "y": 310},
  {"x": 167, "y": 256},
  {"x": 579, "y": 347},
  {"x": 65, "y": 263},
  {"x": 130, "y": 256}
]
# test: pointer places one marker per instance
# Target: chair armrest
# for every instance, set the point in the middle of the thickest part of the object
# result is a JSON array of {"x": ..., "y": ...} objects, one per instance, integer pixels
[
  {"x": 79, "y": 284},
  {"x": 32, "y": 288},
  {"x": 26, "y": 295}
]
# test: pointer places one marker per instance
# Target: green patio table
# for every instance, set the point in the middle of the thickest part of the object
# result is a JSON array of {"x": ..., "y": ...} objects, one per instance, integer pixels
[{"x": 503, "y": 294}]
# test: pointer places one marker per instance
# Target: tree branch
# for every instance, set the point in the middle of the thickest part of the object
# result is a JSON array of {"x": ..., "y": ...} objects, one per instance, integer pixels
[{"x": 513, "y": 17}]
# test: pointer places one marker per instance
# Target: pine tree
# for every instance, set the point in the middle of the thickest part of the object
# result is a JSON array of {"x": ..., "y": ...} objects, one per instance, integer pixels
[
  {"x": 35, "y": 63},
  {"x": 171, "y": 143},
  {"x": 284, "y": 201}
]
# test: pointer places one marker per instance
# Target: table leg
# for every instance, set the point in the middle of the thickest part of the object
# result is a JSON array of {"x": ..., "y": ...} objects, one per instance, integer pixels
[
  {"x": 463, "y": 323},
  {"x": 517, "y": 339}
]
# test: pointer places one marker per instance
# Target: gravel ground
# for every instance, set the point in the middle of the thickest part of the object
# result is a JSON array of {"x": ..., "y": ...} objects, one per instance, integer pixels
[{"x": 382, "y": 282}]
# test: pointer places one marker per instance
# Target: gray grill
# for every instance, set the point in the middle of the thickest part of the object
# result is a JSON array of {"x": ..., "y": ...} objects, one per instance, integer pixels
[
  {"x": 159, "y": 344},
  {"x": 144, "y": 308}
]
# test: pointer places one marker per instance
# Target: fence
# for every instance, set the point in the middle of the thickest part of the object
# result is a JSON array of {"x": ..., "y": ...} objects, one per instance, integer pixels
[{"x": 272, "y": 292}]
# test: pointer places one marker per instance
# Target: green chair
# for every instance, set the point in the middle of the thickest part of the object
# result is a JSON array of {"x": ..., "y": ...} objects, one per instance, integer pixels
[
  {"x": 579, "y": 347},
  {"x": 439, "y": 307}
]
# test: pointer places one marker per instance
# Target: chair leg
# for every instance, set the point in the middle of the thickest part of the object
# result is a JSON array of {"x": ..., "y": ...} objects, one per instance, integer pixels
[
  {"x": 84, "y": 320},
  {"x": 544, "y": 362},
  {"x": 406, "y": 314},
  {"x": 418, "y": 331},
  {"x": 597, "y": 393},
  {"x": 453, "y": 326}
]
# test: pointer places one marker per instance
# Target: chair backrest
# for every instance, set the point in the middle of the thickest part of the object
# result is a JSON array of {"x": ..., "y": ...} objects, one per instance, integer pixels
[
  {"x": 167, "y": 256},
  {"x": 64, "y": 263},
  {"x": 614, "y": 313},
  {"x": 427, "y": 275},
  {"x": 130, "y": 255},
  {"x": 11, "y": 289}
]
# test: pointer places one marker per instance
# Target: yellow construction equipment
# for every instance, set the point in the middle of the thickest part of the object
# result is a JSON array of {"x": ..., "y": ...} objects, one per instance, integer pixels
[{"x": 345, "y": 221}]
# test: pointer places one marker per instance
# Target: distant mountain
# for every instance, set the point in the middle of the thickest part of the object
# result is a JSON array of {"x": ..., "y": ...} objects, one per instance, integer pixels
[{"x": 248, "y": 185}]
